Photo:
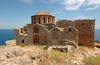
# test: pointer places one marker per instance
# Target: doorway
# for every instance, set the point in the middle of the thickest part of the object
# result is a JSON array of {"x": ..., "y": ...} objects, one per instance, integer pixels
[{"x": 36, "y": 39}]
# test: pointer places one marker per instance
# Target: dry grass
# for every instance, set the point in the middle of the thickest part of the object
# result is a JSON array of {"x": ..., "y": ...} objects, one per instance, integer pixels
[
  {"x": 83, "y": 49},
  {"x": 55, "y": 58},
  {"x": 93, "y": 61},
  {"x": 34, "y": 47}
]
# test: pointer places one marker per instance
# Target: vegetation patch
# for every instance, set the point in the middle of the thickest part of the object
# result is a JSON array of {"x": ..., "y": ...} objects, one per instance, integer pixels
[
  {"x": 22, "y": 45},
  {"x": 55, "y": 57},
  {"x": 93, "y": 61}
]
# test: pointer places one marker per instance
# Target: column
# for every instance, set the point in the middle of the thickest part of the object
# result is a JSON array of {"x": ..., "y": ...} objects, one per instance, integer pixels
[
  {"x": 46, "y": 19},
  {"x": 53, "y": 20},
  {"x": 50, "y": 19},
  {"x": 41, "y": 19}
]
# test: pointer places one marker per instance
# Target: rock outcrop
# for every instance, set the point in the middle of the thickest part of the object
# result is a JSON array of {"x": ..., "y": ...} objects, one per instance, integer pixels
[
  {"x": 19, "y": 56},
  {"x": 10, "y": 43}
]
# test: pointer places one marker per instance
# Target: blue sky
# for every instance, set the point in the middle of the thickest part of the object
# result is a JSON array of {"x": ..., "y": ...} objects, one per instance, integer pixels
[{"x": 16, "y": 13}]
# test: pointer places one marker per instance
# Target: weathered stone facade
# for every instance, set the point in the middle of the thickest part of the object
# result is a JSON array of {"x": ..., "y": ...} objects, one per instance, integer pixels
[
  {"x": 43, "y": 30},
  {"x": 86, "y": 31},
  {"x": 31, "y": 33}
]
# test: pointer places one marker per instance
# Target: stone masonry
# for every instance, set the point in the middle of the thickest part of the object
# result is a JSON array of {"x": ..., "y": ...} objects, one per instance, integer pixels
[
  {"x": 43, "y": 30},
  {"x": 86, "y": 31}
]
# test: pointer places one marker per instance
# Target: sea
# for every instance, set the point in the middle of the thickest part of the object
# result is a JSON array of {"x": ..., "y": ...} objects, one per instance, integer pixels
[{"x": 8, "y": 34}]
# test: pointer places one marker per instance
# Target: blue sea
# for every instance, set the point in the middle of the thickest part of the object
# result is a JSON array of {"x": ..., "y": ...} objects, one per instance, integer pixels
[{"x": 8, "y": 34}]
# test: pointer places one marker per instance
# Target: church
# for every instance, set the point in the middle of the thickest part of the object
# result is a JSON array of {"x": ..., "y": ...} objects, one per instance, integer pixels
[{"x": 43, "y": 30}]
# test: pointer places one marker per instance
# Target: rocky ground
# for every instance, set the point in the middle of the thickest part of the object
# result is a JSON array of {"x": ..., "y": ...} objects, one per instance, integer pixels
[{"x": 35, "y": 55}]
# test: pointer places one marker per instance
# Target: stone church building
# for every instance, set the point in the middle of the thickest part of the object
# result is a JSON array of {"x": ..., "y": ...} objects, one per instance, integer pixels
[{"x": 43, "y": 30}]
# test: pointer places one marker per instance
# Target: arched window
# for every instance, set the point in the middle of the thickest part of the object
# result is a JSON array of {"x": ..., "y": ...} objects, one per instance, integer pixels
[
  {"x": 21, "y": 30},
  {"x": 48, "y": 20},
  {"x": 25, "y": 31},
  {"x": 43, "y": 20},
  {"x": 36, "y": 30},
  {"x": 34, "y": 20},
  {"x": 39, "y": 20}
]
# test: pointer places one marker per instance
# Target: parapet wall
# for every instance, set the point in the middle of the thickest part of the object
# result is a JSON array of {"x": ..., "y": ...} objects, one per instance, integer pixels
[{"x": 64, "y": 23}]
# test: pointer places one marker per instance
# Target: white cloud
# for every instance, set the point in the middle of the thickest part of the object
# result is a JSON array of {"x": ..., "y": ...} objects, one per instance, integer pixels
[
  {"x": 92, "y": 8},
  {"x": 73, "y": 4},
  {"x": 81, "y": 17},
  {"x": 84, "y": 17},
  {"x": 50, "y": 1},
  {"x": 94, "y": 3},
  {"x": 76, "y": 4},
  {"x": 27, "y": 1}
]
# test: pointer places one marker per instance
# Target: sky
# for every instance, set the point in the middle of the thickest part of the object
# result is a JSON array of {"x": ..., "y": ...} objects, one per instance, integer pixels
[{"x": 16, "y": 13}]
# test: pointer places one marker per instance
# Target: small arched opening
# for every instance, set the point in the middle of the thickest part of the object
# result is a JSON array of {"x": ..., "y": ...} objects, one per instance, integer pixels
[
  {"x": 22, "y": 40},
  {"x": 80, "y": 44},
  {"x": 43, "y": 20},
  {"x": 39, "y": 20},
  {"x": 36, "y": 30},
  {"x": 48, "y": 20},
  {"x": 69, "y": 29},
  {"x": 34, "y": 20}
]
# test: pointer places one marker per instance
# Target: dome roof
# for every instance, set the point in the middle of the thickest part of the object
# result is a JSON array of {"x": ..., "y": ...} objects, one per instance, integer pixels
[{"x": 43, "y": 13}]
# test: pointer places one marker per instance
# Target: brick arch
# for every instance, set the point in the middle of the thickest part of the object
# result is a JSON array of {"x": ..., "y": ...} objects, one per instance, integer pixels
[
  {"x": 36, "y": 39},
  {"x": 35, "y": 29}
]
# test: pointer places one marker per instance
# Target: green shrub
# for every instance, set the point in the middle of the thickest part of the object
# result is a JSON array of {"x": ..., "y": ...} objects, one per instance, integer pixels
[
  {"x": 22, "y": 45},
  {"x": 46, "y": 47},
  {"x": 93, "y": 61}
]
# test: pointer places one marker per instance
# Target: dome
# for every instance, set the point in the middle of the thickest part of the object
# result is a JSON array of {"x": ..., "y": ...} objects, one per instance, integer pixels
[{"x": 43, "y": 13}]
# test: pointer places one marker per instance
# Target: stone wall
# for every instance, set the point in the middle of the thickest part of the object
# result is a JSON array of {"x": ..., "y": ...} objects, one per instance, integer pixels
[
  {"x": 62, "y": 36},
  {"x": 50, "y": 26},
  {"x": 64, "y": 23},
  {"x": 43, "y": 30},
  {"x": 26, "y": 34},
  {"x": 86, "y": 31}
]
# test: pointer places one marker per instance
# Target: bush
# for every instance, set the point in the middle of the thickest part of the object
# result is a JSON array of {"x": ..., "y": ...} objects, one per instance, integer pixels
[
  {"x": 23, "y": 45},
  {"x": 93, "y": 61}
]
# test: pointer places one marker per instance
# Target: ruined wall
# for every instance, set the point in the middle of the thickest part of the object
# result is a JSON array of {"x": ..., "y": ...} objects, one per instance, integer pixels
[
  {"x": 53, "y": 36},
  {"x": 86, "y": 31},
  {"x": 26, "y": 34},
  {"x": 50, "y": 26},
  {"x": 59, "y": 36},
  {"x": 71, "y": 33},
  {"x": 64, "y": 23},
  {"x": 19, "y": 35}
]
